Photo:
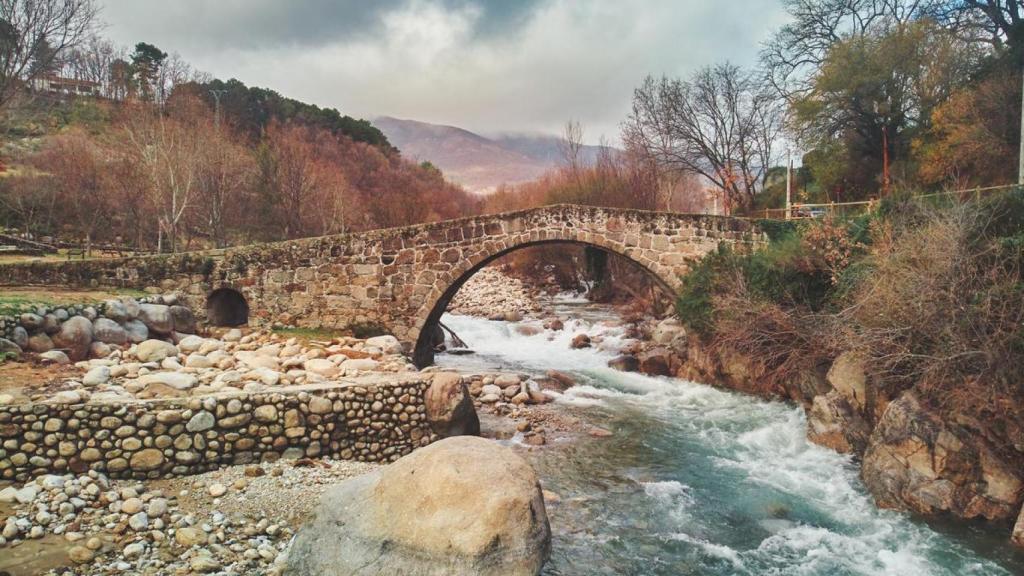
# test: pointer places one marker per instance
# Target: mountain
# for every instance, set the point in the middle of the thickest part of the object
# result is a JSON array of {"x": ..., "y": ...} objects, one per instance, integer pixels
[{"x": 478, "y": 163}]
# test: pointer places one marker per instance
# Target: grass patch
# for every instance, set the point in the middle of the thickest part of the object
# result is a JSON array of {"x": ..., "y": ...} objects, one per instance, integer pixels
[{"x": 17, "y": 300}]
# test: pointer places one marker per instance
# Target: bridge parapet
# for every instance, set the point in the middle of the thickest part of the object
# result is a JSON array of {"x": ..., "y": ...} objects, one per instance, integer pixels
[{"x": 399, "y": 278}]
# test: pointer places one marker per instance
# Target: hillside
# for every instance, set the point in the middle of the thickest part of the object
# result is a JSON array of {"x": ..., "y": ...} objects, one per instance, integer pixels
[{"x": 478, "y": 163}]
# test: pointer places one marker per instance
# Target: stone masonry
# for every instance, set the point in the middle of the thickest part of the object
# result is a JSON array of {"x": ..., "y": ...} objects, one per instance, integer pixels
[
  {"x": 377, "y": 421},
  {"x": 398, "y": 280}
]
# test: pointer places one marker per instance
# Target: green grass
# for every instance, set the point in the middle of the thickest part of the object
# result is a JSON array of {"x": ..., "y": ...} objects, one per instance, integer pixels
[{"x": 16, "y": 301}]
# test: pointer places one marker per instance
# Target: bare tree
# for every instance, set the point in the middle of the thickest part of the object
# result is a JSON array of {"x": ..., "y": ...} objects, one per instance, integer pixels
[
  {"x": 797, "y": 49},
  {"x": 719, "y": 124},
  {"x": 34, "y": 33},
  {"x": 999, "y": 23},
  {"x": 571, "y": 145}
]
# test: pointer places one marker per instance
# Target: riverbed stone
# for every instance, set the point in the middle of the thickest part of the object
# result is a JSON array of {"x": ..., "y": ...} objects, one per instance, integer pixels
[
  {"x": 157, "y": 318},
  {"x": 109, "y": 332},
  {"x": 458, "y": 528},
  {"x": 75, "y": 335},
  {"x": 450, "y": 409}
]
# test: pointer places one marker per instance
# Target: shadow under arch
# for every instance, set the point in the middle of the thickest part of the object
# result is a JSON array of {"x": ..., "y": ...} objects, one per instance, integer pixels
[
  {"x": 226, "y": 307},
  {"x": 423, "y": 353}
]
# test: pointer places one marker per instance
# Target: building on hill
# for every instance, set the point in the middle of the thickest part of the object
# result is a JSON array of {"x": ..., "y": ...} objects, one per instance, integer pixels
[{"x": 53, "y": 84}]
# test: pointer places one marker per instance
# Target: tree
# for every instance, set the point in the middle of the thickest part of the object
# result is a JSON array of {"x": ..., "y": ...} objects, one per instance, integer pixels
[
  {"x": 169, "y": 153},
  {"x": 999, "y": 23},
  {"x": 147, "y": 61},
  {"x": 797, "y": 50},
  {"x": 720, "y": 124},
  {"x": 873, "y": 93},
  {"x": 29, "y": 26},
  {"x": 974, "y": 136},
  {"x": 76, "y": 165}
]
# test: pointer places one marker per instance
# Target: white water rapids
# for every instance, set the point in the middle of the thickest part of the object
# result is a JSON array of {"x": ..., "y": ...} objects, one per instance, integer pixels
[{"x": 698, "y": 480}]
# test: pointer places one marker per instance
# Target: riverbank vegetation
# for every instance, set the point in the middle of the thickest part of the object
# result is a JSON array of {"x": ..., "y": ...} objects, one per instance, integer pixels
[{"x": 929, "y": 294}]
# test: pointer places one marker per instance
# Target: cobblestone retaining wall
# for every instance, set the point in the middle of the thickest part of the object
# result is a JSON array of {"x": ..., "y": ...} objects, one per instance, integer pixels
[{"x": 173, "y": 437}]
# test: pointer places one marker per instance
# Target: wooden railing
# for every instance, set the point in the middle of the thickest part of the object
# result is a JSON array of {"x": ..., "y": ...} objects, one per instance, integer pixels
[{"x": 848, "y": 209}]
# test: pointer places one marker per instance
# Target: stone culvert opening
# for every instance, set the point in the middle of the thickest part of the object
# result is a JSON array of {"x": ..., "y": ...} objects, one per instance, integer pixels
[{"x": 226, "y": 307}]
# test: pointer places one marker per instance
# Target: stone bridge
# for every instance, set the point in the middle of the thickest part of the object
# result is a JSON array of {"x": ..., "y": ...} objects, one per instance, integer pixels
[{"x": 398, "y": 279}]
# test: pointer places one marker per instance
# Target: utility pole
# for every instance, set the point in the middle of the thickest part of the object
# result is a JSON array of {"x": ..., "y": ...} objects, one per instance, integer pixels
[
  {"x": 789, "y": 184},
  {"x": 216, "y": 107},
  {"x": 885, "y": 160},
  {"x": 1020, "y": 168}
]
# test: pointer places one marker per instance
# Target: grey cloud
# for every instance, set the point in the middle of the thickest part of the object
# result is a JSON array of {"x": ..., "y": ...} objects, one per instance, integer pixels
[{"x": 266, "y": 24}]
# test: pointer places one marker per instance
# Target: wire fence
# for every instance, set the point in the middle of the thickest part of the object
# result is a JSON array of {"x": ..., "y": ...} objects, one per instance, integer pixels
[{"x": 842, "y": 210}]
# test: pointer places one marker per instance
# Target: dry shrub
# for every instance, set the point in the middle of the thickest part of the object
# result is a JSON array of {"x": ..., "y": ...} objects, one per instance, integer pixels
[
  {"x": 942, "y": 310},
  {"x": 788, "y": 341}
]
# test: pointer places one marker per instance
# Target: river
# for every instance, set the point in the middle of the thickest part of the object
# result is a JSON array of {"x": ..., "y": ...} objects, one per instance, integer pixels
[{"x": 697, "y": 480}]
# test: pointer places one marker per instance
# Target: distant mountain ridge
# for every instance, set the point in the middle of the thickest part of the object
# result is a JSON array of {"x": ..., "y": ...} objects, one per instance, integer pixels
[{"x": 479, "y": 163}]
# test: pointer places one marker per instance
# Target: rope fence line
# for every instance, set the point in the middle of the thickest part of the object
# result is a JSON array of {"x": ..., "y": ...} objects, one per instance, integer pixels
[{"x": 804, "y": 211}]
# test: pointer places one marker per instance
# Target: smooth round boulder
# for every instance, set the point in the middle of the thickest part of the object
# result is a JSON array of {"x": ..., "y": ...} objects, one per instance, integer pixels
[
  {"x": 40, "y": 343},
  {"x": 450, "y": 410},
  {"x": 136, "y": 331},
  {"x": 157, "y": 318},
  {"x": 75, "y": 335},
  {"x": 155, "y": 351},
  {"x": 109, "y": 332},
  {"x": 183, "y": 319},
  {"x": 463, "y": 505}
]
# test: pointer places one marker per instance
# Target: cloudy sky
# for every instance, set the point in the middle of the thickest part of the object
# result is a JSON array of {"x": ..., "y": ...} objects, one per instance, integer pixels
[{"x": 485, "y": 65}]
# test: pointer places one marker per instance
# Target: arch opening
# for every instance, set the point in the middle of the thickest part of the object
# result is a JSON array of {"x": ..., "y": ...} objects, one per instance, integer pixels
[
  {"x": 226, "y": 307},
  {"x": 423, "y": 352}
]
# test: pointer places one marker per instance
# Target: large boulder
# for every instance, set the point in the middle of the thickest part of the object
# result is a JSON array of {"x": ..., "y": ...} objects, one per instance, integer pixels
[
  {"x": 20, "y": 337},
  {"x": 916, "y": 460},
  {"x": 183, "y": 319},
  {"x": 656, "y": 361},
  {"x": 109, "y": 332},
  {"x": 75, "y": 335},
  {"x": 387, "y": 343},
  {"x": 136, "y": 331},
  {"x": 848, "y": 377},
  {"x": 40, "y": 343},
  {"x": 461, "y": 506},
  {"x": 157, "y": 318},
  {"x": 833, "y": 423},
  {"x": 450, "y": 410},
  {"x": 115, "y": 310},
  {"x": 9, "y": 347}
]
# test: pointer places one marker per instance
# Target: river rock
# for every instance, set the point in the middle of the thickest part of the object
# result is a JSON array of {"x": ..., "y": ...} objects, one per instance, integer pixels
[
  {"x": 20, "y": 337},
  {"x": 75, "y": 335},
  {"x": 833, "y": 423},
  {"x": 625, "y": 363},
  {"x": 580, "y": 341},
  {"x": 656, "y": 361},
  {"x": 450, "y": 410},
  {"x": 136, "y": 331},
  {"x": 107, "y": 331},
  {"x": 183, "y": 320},
  {"x": 8, "y": 346},
  {"x": 321, "y": 366},
  {"x": 460, "y": 526},
  {"x": 40, "y": 343},
  {"x": 916, "y": 460},
  {"x": 55, "y": 357},
  {"x": 115, "y": 310},
  {"x": 388, "y": 344},
  {"x": 667, "y": 331},
  {"x": 848, "y": 377},
  {"x": 157, "y": 318},
  {"x": 155, "y": 351},
  {"x": 96, "y": 375},
  {"x": 31, "y": 321}
]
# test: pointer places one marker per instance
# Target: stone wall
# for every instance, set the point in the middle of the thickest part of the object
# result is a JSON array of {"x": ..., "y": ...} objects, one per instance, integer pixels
[
  {"x": 399, "y": 279},
  {"x": 149, "y": 439}
]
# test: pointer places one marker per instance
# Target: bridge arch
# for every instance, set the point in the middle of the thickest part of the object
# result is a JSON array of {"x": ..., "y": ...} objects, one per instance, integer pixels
[{"x": 449, "y": 283}]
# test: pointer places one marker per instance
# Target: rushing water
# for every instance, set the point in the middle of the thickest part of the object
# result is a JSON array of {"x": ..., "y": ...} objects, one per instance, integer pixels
[{"x": 698, "y": 480}]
